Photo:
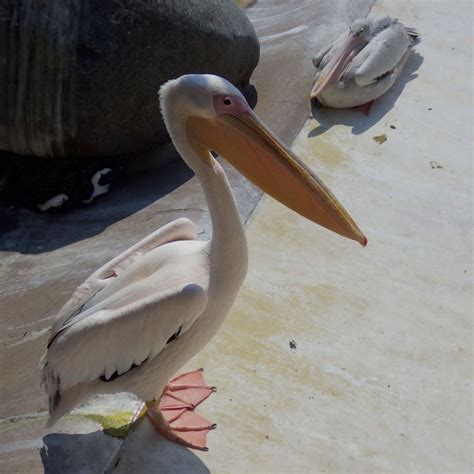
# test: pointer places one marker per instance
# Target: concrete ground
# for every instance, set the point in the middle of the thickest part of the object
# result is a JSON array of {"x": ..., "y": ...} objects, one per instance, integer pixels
[{"x": 334, "y": 358}]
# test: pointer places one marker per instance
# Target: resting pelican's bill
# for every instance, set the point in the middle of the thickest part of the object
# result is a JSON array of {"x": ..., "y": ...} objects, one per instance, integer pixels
[
  {"x": 138, "y": 319},
  {"x": 363, "y": 63}
]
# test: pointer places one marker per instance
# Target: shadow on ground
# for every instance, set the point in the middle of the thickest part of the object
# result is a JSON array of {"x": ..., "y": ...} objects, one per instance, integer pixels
[
  {"x": 28, "y": 232},
  {"x": 360, "y": 123},
  {"x": 137, "y": 181},
  {"x": 77, "y": 453},
  {"x": 95, "y": 453}
]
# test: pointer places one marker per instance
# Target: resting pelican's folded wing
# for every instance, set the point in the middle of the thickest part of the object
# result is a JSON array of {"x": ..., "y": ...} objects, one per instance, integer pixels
[
  {"x": 180, "y": 229},
  {"x": 110, "y": 341},
  {"x": 318, "y": 57},
  {"x": 321, "y": 59},
  {"x": 381, "y": 55}
]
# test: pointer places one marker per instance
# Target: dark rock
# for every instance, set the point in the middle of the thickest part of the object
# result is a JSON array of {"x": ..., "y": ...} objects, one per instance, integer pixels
[{"x": 80, "y": 77}]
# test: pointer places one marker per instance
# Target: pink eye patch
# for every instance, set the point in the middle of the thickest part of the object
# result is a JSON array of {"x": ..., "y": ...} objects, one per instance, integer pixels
[{"x": 229, "y": 104}]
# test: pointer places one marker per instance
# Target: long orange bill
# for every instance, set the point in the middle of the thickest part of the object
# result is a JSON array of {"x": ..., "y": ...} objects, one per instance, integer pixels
[{"x": 247, "y": 144}]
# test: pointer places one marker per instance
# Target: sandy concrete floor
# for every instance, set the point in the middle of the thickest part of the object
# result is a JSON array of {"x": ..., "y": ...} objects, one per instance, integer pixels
[
  {"x": 337, "y": 358},
  {"x": 342, "y": 359}
]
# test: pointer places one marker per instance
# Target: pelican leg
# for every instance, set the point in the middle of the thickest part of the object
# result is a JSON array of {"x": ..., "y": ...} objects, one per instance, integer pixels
[
  {"x": 365, "y": 108},
  {"x": 174, "y": 416}
]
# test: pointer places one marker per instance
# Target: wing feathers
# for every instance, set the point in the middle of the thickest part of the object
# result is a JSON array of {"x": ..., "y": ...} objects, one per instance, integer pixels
[
  {"x": 381, "y": 55},
  {"x": 111, "y": 341},
  {"x": 180, "y": 229}
]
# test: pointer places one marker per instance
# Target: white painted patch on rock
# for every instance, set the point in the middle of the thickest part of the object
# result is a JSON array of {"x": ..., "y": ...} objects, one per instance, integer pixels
[
  {"x": 98, "y": 189},
  {"x": 56, "y": 201}
]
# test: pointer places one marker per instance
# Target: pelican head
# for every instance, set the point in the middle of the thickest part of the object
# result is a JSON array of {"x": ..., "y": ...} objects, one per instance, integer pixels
[
  {"x": 361, "y": 28},
  {"x": 357, "y": 37},
  {"x": 206, "y": 113}
]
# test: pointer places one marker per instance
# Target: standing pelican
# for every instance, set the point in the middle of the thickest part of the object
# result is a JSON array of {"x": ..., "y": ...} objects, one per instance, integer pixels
[
  {"x": 363, "y": 63},
  {"x": 138, "y": 319}
]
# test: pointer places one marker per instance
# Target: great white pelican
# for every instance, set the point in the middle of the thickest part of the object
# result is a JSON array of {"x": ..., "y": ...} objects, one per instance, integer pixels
[
  {"x": 363, "y": 63},
  {"x": 139, "y": 318}
]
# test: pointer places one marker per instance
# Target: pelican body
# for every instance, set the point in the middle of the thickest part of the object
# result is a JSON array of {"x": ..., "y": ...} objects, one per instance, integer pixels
[
  {"x": 363, "y": 63},
  {"x": 139, "y": 318}
]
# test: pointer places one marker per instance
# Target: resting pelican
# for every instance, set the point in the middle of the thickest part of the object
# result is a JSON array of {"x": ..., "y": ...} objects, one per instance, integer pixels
[
  {"x": 363, "y": 63},
  {"x": 138, "y": 319}
]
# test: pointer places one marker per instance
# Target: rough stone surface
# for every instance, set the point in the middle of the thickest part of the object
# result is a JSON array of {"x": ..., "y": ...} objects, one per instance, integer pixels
[{"x": 80, "y": 77}]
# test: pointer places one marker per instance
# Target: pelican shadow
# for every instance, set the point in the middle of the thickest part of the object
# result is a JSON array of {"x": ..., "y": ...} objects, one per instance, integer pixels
[
  {"x": 327, "y": 117},
  {"x": 142, "y": 452}
]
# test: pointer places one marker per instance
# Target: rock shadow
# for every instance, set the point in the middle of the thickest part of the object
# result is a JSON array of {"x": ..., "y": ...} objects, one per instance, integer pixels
[
  {"x": 142, "y": 452},
  {"x": 136, "y": 182},
  {"x": 77, "y": 453},
  {"x": 327, "y": 117},
  {"x": 148, "y": 177}
]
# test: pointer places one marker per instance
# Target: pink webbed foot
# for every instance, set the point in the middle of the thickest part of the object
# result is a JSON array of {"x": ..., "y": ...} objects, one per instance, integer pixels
[
  {"x": 365, "y": 108},
  {"x": 174, "y": 416}
]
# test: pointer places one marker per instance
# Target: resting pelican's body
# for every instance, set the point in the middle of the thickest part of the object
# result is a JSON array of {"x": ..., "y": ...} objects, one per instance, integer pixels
[
  {"x": 137, "y": 320},
  {"x": 362, "y": 64}
]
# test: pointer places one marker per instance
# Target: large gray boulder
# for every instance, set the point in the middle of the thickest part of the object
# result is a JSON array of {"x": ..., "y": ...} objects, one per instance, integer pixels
[{"x": 80, "y": 77}]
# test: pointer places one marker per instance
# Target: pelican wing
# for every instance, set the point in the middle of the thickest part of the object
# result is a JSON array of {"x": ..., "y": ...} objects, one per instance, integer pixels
[
  {"x": 383, "y": 53},
  {"x": 114, "y": 337},
  {"x": 180, "y": 229},
  {"x": 321, "y": 59},
  {"x": 320, "y": 55}
]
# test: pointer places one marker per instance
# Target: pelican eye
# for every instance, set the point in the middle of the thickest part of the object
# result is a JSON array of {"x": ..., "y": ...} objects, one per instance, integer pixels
[
  {"x": 361, "y": 30},
  {"x": 227, "y": 101}
]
